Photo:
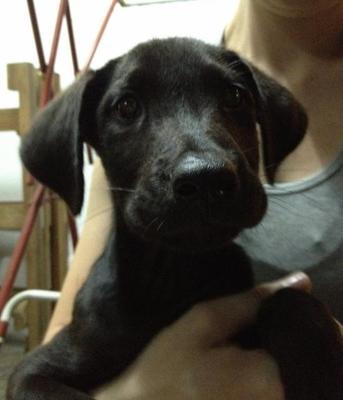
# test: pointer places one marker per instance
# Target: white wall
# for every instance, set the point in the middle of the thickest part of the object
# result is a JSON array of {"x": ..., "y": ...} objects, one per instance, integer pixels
[{"x": 204, "y": 19}]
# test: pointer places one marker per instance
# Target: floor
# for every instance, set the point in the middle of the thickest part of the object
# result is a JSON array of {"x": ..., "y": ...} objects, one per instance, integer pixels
[{"x": 11, "y": 352}]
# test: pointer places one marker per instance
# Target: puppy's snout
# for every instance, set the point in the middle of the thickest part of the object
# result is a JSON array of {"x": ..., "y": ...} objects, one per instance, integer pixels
[{"x": 197, "y": 178}]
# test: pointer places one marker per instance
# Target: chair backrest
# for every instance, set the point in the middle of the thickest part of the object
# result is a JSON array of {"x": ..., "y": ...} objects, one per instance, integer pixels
[
  {"x": 46, "y": 254},
  {"x": 23, "y": 78}
]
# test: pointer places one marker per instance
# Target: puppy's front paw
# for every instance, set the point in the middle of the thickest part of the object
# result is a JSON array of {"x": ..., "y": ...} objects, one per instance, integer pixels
[{"x": 301, "y": 335}]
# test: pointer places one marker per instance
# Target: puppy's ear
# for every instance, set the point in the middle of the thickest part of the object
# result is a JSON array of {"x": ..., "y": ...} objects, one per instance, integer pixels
[
  {"x": 52, "y": 151},
  {"x": 282, "y": 119}
]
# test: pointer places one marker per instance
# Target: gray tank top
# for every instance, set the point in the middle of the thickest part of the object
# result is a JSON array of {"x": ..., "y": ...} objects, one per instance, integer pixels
[{"x": 303, "y": 230}]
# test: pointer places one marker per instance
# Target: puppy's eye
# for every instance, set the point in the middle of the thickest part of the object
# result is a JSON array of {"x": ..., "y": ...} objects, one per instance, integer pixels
[
  {"x": 234, "y": 97},
  {"x": 126, "y": 108}
]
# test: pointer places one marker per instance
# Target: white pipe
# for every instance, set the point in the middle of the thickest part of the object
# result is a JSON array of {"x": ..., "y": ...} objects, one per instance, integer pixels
[{"x": 35, "y": 294}]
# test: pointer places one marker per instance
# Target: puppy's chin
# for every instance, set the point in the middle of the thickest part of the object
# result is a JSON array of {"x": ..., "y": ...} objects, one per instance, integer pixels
[
  {"x": 199, "y": 241},
  {"x": 195, "y": 228}
]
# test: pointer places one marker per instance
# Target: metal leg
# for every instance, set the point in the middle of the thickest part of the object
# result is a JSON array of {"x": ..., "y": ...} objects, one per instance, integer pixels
[{"x": 31, "y": 294}]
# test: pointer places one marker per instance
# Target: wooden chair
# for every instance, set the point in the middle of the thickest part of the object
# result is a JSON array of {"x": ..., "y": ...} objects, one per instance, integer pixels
[{"x": 47, "y": 251}]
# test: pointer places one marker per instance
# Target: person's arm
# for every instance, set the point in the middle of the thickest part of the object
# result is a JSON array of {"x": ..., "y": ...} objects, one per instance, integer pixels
[
  {"x": 187, "y": 348},
  {"x": 195, "y": 358},
  {"x": 90, "y": 246},
  {"x": 184, "y": 361}
]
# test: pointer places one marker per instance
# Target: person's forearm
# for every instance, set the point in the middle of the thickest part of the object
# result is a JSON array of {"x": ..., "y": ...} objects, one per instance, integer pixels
[
  {"x": 88, "y": 251},
  {"x": 91, "y": 244}
]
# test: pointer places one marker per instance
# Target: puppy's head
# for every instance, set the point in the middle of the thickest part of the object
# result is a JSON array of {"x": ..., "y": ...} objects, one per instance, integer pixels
[{"x": 174, "y": 123}]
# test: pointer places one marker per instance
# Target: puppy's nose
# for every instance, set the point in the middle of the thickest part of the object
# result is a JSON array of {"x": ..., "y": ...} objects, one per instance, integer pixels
[{"x": 196, "y": 178}]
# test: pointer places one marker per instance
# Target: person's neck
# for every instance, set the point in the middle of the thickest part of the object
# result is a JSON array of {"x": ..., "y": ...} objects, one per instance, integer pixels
[
  {"x": 278, "y": 36},
  {"x": 300, "y": 44}
]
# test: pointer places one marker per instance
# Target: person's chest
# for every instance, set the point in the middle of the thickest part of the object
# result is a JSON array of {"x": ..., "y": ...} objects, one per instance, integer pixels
[
  {"x": 302, "y": 230},
  {"x": 321, "y": 93}
]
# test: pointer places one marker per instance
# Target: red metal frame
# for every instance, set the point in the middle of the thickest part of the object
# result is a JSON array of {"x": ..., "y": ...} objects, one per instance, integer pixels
[
  {"x": 72, "y": 40},
  {"x": 14, "y": 263},
  {"x": 47, "y": 87},
  {"x": 100, "y": 34},
  {"x": 46, "y": 95},
  {"x": 36, "y": 34}
]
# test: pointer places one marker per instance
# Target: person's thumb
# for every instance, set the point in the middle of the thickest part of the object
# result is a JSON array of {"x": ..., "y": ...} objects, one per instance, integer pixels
[{"x": 215, "y": 321}]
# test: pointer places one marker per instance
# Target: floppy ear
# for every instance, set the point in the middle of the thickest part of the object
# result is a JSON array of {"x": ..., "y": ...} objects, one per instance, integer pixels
[
  {"x": 52, "y": 150},
  {"x": 282, "y": 119}
]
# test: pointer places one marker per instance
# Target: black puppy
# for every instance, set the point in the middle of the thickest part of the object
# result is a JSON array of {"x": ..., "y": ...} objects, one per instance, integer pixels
[{"x": 174, "y": 123}]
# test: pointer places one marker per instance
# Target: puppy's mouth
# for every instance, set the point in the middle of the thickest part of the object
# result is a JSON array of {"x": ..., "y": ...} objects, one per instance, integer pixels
[
  {"x": 188, "y": 219},
  {"x": 186, "y": 232},
  {"x": 199, "y": 240}
]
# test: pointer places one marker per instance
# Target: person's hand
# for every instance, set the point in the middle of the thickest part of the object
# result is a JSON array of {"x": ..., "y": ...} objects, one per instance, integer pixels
[{"x": 194, "y": 358}]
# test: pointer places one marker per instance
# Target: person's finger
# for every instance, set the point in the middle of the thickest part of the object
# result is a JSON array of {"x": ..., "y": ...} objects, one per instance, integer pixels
[
  {"x": 340, "y": 326},
  {"x": 297, "y": 280},
  {"x": 214, "y": 321}
]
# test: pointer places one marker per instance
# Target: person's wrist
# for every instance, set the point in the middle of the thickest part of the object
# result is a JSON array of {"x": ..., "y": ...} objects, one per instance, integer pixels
[{"x": 123, "y": 391}]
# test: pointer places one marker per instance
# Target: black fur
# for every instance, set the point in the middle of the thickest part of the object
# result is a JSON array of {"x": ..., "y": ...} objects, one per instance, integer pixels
[{"x": 174, "y": 123}]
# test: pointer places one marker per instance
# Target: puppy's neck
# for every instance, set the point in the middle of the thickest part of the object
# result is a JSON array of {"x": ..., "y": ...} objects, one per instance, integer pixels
[{"x": 156, "y": 282}]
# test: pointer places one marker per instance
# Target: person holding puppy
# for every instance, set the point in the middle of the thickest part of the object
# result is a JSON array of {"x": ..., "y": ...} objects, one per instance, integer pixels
[{"x": 299, "y": 44}]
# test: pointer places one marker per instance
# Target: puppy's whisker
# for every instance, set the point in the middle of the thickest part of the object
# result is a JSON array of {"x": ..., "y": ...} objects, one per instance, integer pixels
[
  {"x": 160, "y": 225},
  {"x": 234, "y": 64},
  {"x": 248, "y": 149},
  {"x": 271, "y": 165},
  {"x": 240, "y": 74},
  {"x": 147, "y": 227},
  {"x": 120, "y": 189}
]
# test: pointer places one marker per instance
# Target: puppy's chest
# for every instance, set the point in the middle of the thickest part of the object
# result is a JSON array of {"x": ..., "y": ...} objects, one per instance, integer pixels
[
  {"x": 123, "y": 306},
  {"x": 163, "y": 290}
]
